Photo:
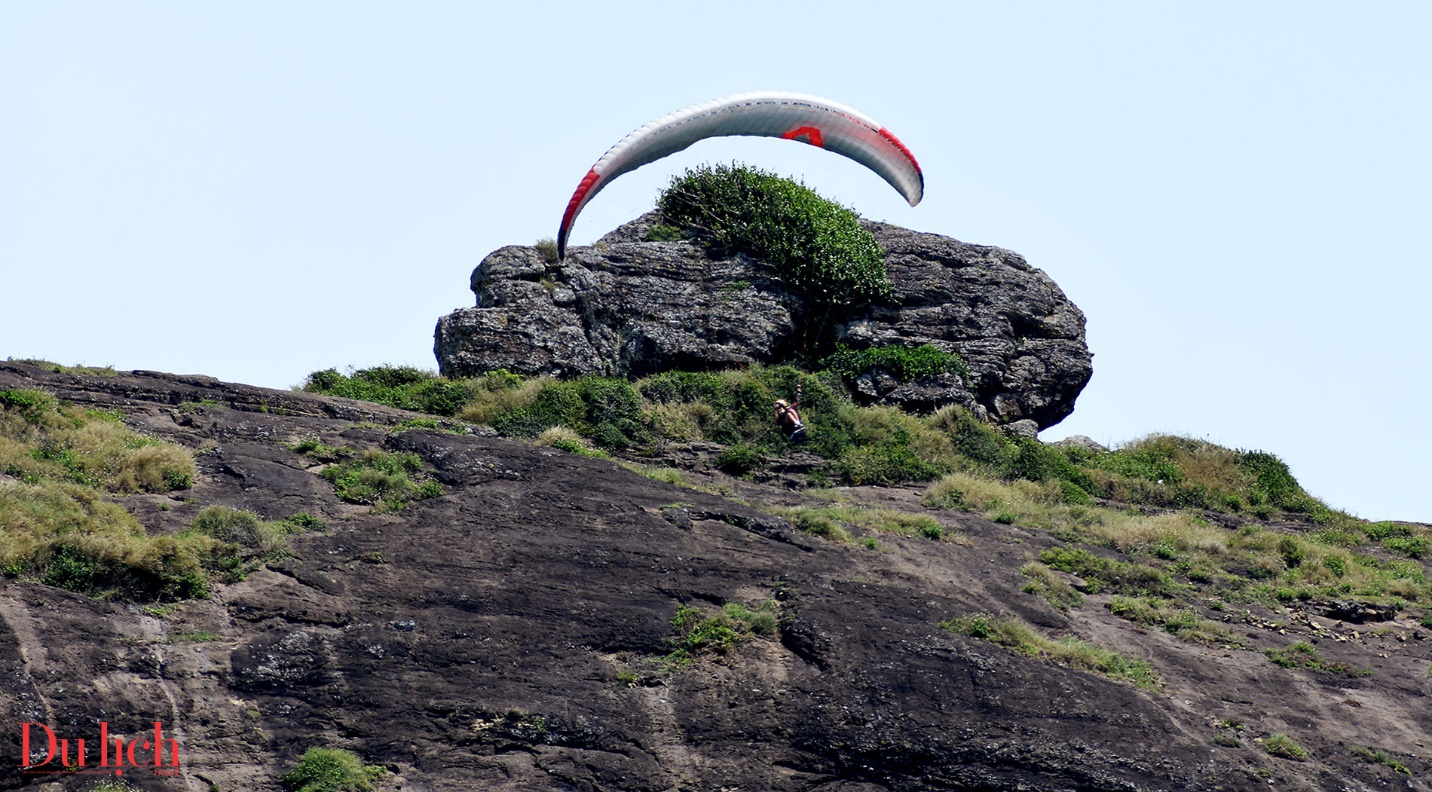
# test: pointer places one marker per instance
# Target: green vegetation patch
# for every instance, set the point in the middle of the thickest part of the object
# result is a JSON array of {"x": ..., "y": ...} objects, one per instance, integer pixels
[
  {"x": 1069, "y": 651},
  {"x": 818, "y": 248},
  {"x": 607, "y": 410},
  {"x": 1172, "y": 618},
  {"x": 332, "y": 770},
  {"x": 404, "y": 387},
  {"x": 1283, "y": 747},
  {"x": 1379, "y": 756},
  {"x": 836, "y": 521},
  {"x": 68, "y": 536},
  {"x": 699, "y": 632},
  {"x": 57, "y": 525},
  {"x": 1108, "y": 574},
  {"x": 386, "y": 481},
  {"x": 236, "y": 542},
  {"x": 1040, "y": 579},
  {"x": 905, "y": 364},
  {"x": 44, "y": 440},
  {"x": 1302, "y": 655}
]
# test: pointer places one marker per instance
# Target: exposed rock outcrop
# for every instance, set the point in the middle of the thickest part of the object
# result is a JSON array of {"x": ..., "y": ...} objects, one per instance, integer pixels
[
  {"x": 510, "y": 634},
  {"x": 631, "y": 307}
]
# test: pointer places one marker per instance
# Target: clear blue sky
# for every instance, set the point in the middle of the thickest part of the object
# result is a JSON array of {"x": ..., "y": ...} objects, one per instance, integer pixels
[{"x": 1236, "y": 194}]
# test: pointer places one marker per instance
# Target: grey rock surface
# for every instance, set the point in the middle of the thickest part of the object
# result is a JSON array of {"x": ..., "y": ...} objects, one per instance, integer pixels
[{"x": 630, "y": 307}]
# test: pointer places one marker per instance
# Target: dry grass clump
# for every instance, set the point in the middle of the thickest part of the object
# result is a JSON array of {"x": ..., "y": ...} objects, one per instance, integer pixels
[
  {"x": 67, "y": 535},
  {"x": 1035, "y": 504},
  {"x": 1041, "y": 580},
  {"x": 835, "y": 521},
  {"x": 494, "y": 394},
  {"x": 882, "y": 426},
  {"x": 562, "y": 438},
  {"x": 41, "y": 439},
  {"x": 1179, "y": 532},
  {"x": 680, "y": 421},
  {"x": 1019, "y": 637}
]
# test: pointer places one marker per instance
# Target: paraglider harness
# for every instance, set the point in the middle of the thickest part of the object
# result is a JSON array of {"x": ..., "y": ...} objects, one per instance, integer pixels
[{"x": 790, "y": 418}]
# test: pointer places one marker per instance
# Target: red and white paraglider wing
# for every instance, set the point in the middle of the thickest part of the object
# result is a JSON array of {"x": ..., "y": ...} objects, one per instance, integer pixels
[{"x": 808, "y": 119}]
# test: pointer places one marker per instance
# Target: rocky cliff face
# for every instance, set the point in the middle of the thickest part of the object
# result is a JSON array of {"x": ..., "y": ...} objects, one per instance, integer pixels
[
  {"x": 630, "y": 307},
  {"x": 513, "y": 634}
]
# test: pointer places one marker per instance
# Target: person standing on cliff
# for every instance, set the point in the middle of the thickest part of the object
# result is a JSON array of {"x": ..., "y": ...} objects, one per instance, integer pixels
[{"x": 789, "y": 419}]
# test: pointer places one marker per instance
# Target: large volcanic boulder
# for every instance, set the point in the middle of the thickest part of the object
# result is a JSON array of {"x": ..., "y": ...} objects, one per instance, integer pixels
[{"x": 633, "y": 307}]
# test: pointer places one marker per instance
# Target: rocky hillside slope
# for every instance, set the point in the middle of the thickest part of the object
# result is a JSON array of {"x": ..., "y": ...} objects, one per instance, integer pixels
[{"x": 546, "y": 621}]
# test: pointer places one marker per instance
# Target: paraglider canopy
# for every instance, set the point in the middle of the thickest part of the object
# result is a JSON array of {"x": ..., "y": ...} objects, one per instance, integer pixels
[{"x": 789, "y": 116}]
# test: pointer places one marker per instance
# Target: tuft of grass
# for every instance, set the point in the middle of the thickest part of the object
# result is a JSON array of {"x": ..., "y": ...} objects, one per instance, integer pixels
[
  {"x": 698, "y": 633},
  {"x": 1301, "y": 654},
  {"x": 42, "y": 439},
  {"x": 386, "y": 481},
  {"x": 834, "y": 521},
  {"x": 331, "y": 770},
  {"x": 564, "y": 439},
  {"x": 236, "y": 542},
  {"x": 1069, "y": 651},
  {"x": 1283, "y": 747},
  {"x": 546, "y": 250},
  {"x": 66, "y": 535},
  {"x": 666, "y": 475},
  {"x": 1182, "y": 622},
  {"x": 498, "y": 392},
  {"x": 1378, "y": 756},
  {"x": 1041, "y": 580}
]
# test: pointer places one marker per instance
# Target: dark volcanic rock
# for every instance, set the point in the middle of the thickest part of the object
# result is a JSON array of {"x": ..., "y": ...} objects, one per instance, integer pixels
[
  {"x": 512, "y": 634},
  {"x": 625, "y": 306}
]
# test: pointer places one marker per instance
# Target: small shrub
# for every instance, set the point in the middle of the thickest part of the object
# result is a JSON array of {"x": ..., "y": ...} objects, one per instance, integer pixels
[
  {"x": 946, "y": 494},
  {"x": 303, "y": 521},
  {"x": 404, "y": 387},
  {"x": 981, "y": 447},
  {"x": 1336, "y": 564},
  {"x": 331, "y": 770},
  {"x": 818, "y": 248},
  {"x": 741, "y": 459},
  {"x": 1292, "y": 551},
  {"x": 546, "y": 250}
]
